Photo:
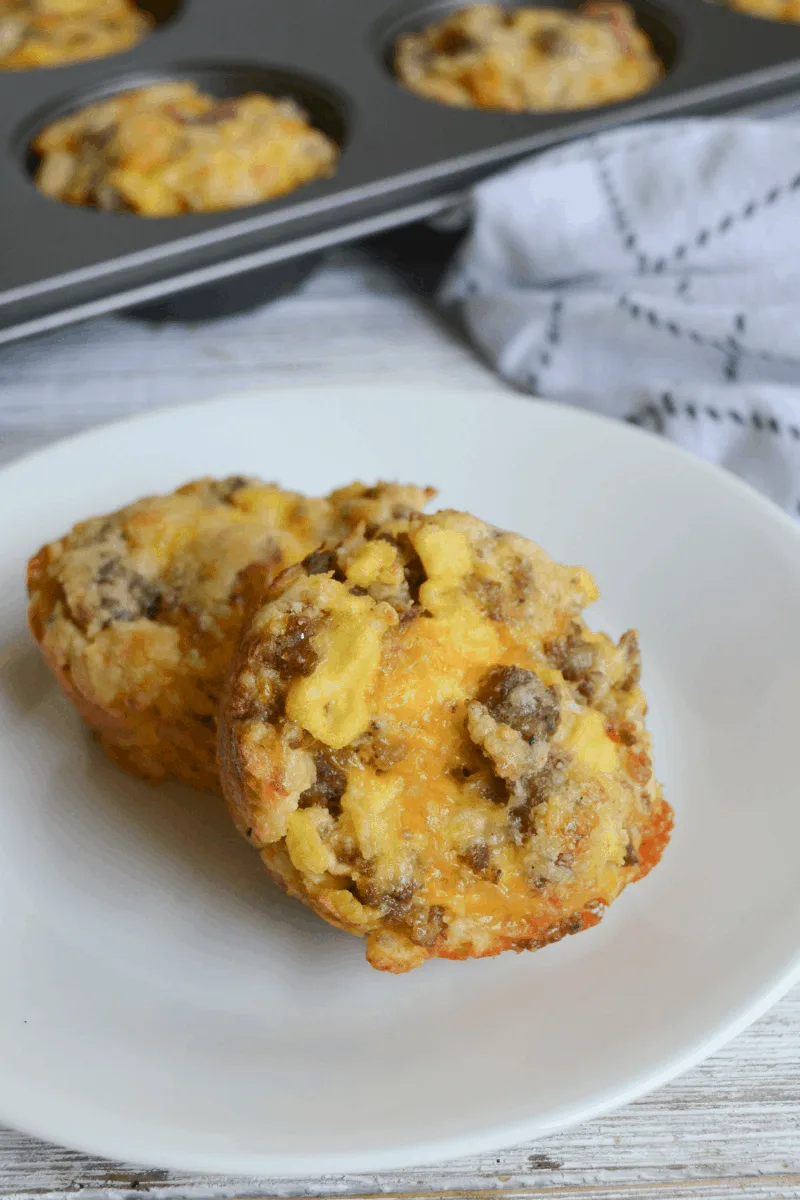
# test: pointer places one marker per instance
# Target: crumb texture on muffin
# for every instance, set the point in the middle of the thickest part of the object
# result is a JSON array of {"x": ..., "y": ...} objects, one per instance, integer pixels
[
  {"x": 170, "y": 148},
  {"x": 46, "y": 33},
  {"x": 429, "y": 747},
  {"x": 138, "y": 613},
  {"x": 530, "y": 58}
]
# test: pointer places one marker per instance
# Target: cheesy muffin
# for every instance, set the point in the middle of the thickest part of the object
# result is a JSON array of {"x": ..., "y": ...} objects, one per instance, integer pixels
[
  {"x": 530, "y": 59},
  {"x": 138, "y": 613},
  {"x": 770, "y": 10},
  {"x": 47, "y": 33},
  {"x": 428, "y": 746},
  {"x": 169, "y": 148}
]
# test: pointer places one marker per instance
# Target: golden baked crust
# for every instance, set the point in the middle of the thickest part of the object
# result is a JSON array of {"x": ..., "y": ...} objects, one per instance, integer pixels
[
  {"x": 770, "y": 10},
  {"x": 138, "y": 613},
  {"x": 530, "y": 59},
  {"x": 168, "y": 149},
  {"x": 428, "y": 746},
  {"x": 45, "y": 33}
]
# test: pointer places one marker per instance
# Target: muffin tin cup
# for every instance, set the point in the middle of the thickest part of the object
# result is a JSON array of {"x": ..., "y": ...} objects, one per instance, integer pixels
[
  {"x": 225, "y": 299},
  {"x": 403, "y": 157}
]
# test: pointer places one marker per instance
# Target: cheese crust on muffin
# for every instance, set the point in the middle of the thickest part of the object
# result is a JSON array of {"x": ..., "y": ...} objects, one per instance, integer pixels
[
  {"x": 47, "y": 33},
  {"x": 530, "y": 59},
  {"x": 769, "y": 10},
  {"x": 169, "y": 149},
  {"x": 138, "y": 612},
  {"x": 429, "y": 747}
]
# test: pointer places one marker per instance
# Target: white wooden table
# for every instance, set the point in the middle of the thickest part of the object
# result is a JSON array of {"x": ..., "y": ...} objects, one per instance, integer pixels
[{"x": 731, "y": 1127}]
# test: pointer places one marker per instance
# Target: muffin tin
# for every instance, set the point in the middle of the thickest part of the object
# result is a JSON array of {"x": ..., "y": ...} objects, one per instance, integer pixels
[{"x": 402, "y": 157}]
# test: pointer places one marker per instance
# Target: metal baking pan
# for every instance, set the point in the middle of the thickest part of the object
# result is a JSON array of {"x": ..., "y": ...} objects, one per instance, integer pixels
[{"x": 402, "y": 157}]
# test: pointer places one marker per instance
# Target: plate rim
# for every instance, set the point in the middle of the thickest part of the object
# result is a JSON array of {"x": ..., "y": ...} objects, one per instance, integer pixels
[
  {"x": 432, "y": 1150},
  {"x": 488, "y": 391}
]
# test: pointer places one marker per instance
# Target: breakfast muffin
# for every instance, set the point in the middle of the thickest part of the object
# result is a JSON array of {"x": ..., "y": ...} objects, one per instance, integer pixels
[
  {"x": 45, "y": 33},
  {"x": 169, "y": 149},
  {"x": 530, "y": 59},
  {"x": 771, "y": 10},
  {"x": 138, "y": 613},
  {"x": 428, "y": 746}
]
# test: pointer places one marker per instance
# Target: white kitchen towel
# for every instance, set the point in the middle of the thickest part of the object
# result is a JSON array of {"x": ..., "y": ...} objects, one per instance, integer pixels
[{"x": 652, "y": 274}]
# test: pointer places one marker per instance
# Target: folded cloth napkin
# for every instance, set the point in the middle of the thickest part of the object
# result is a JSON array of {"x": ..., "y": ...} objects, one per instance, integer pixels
[{"x": 652, "y": 274}]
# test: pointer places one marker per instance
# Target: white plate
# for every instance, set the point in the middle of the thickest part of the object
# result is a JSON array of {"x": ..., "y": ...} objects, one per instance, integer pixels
[{"x": 161, "y": 1002}]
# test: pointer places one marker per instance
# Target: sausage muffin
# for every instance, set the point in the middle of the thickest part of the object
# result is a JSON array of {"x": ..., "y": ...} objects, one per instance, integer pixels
[
  {"x": 770, "y": 10},
  {"x": 138, "y": 613},
  {"x": 428, "y": 746},
  {"x": 46, "y": 33},
  {"x": 169, "y": 149},
  {"x": 530, "y": 59}
]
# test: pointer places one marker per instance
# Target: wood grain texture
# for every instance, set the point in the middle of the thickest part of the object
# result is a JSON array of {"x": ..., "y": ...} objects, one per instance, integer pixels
[
  {"x": 352, "y": 323},
  {"x": 730, "y": 1127}
]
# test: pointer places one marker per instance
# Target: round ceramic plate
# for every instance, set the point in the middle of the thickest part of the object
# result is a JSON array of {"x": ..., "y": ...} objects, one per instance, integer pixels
[{"x": 163, "y": 1002}]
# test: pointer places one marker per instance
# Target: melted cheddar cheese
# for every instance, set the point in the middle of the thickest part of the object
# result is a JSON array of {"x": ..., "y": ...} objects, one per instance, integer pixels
[
  {"x": 470, "y": 742},
  {"x": 138, "y": 613}
]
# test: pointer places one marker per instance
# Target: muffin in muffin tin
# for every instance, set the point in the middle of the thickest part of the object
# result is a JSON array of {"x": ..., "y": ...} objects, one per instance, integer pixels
[
  {"x": 770, "y": 10},
  {"x": 170, "y": 148},
  {"x": 49, "y": 33},
  {"x": 530, "y": 59}
]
